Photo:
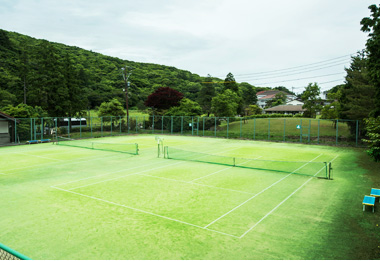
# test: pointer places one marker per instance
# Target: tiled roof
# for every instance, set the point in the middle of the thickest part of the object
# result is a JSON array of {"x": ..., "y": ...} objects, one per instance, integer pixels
[
  {"x": 4, "y": 115},
  {"x": 286, "y": 108}
]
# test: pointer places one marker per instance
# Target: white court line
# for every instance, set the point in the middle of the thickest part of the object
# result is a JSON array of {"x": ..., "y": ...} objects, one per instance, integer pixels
[
  {"x": 37, "y": 156},
  {"x": 270, "y": 212},
  {"x": 258, "y": 194},
  {"x": 145, "y": 212}
]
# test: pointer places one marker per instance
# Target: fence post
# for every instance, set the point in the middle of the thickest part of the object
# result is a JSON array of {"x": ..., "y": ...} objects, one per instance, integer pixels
[
  {"x": 357, "y": 132},
  {"x": 309, "y": 132},
  {"x": 197, "y": 125},
  {"x": 203, "y": 126},
  {"x": 101, "y": 126},
  {"x": 268, "y": 128},
  {"x": 254, "y": 128},
  {"x": 192, "y": 126},
  {"x": 337, "y": 131},
  {"x": 301, "y": 131},
  {"x": 241, "y": 126},
  {"x": 181, "y": 124},
  {"x": 228, "y": 125},
  {"x": 162, "y": 124},
  {"x": 284, "y": 128},
  {"x": 171, "y": 125},
  {"x": 215, "y": 126},
  {"x": 153, "y": 124},
  {"x": 318, "y": 129},
  {"x": 15, "y": 139},
  {"x": 91, "y": 125}
]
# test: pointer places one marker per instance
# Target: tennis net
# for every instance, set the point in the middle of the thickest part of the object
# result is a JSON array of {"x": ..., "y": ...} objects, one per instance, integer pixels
[
  {"x": 7, "y": 253},
  {"x": 130, "y": 148},
  {"x": 312, "y": 168}
]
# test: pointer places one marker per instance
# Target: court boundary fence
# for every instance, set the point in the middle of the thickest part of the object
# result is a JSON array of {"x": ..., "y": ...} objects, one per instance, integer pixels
[{"x": 292, "y": 129}]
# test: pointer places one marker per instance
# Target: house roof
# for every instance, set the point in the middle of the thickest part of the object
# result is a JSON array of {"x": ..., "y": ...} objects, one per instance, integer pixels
[
  {"x": 6, "y": 116},
  {"x": 286, "y": 108},
  {"x": 270, "y": 94}
]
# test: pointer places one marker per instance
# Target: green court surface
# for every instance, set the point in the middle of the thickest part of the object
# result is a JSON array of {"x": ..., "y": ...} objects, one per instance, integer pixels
[{"x": 63, "y": 202}]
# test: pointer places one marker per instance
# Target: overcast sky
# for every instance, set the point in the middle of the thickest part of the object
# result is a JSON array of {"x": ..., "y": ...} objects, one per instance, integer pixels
[{"x": 266, "y": 43}]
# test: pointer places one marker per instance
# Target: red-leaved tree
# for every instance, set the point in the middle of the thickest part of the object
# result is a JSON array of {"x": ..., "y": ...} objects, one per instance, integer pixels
[{"x": 164, "y": 98}]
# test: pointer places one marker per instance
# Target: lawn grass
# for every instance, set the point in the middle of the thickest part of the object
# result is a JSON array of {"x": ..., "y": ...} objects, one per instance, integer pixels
[{"x": 61, "y": 202}]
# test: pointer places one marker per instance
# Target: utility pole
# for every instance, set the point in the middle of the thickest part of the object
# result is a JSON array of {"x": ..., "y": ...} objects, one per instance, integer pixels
[{"x": 127, "y": 84}]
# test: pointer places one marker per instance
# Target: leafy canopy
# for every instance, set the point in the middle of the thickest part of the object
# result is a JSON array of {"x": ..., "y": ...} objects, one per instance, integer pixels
[
  {"x": 225, "y": 104},
  {"x": 111, "y": 108},
  {"x": 164, "y": 98}
]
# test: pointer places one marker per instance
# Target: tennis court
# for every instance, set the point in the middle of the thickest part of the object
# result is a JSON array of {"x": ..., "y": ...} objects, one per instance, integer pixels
[{"x": 90, "y": 202}]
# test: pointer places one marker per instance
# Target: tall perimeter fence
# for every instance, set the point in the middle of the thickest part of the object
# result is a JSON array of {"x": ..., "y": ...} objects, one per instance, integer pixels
[{"x": 300, "y": 130}]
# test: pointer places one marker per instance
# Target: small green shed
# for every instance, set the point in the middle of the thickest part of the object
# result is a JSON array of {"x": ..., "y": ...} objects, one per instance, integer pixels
[{"x": 7, "y": 124}]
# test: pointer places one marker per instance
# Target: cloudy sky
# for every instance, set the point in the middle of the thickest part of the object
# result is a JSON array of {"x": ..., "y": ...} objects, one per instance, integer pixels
[{"x": 266, "y": 43}]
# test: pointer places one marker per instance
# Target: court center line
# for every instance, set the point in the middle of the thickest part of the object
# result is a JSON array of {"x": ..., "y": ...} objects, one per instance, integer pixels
[
  {"x": 259, "y": 193},
  {"x": 270, "y": 212},
  {"x": 145, "y": 212}
]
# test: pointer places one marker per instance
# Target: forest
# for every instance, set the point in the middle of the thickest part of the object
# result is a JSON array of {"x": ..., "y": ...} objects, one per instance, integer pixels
[{"x": 65, "y": 80}]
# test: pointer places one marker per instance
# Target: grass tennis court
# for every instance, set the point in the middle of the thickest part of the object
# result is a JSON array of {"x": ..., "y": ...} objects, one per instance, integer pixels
[{"x": 64, "y": 202}]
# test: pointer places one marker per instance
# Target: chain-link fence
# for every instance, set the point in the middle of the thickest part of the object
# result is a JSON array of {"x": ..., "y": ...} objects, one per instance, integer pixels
[{"x": 300, "y": 130}]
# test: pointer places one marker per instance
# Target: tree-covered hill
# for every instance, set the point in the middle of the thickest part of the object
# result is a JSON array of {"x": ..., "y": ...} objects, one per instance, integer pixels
[{"x": 61, "y": 78}]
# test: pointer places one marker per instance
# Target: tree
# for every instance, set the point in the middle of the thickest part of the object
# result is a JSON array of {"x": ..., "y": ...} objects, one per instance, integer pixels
[
  {"x": 186, "y": 107},
  {"x": 6, "y": 98},
  {"x": 331, "y": 111},
  {"x": 225, "y": 104},
  {"x": 206, "y": 94},
  {"x": 24, "y": 111},
  {"x": 279, "y": 99},
  {"x": 311, "y": 100},
  {"x": 163, "y": 98},
  {"x": 230, "y": 83},
  {"x": 373, "y": 133},
  {"x": 111, "y": 108},
  {"x": 372, "y": 26},
  {"x": 357, "y": 95},
  {"x": 248, "y": 93},
  {"x": 252, "y": 110}
]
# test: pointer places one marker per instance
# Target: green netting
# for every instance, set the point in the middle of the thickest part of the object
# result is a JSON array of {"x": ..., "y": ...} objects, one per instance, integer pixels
[
  {"x": 131, "y": 148},
  {"x": 317, "y": 169},
  {"x": 7, "y": 253}
]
